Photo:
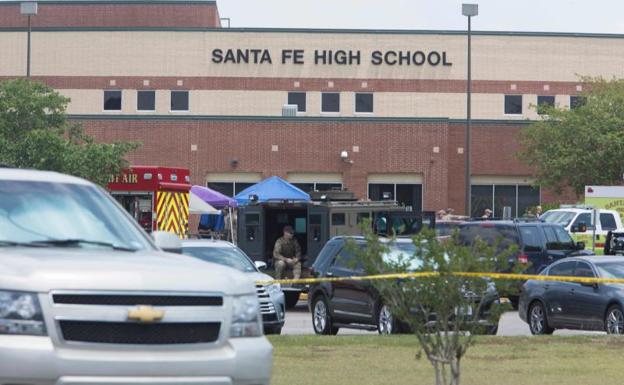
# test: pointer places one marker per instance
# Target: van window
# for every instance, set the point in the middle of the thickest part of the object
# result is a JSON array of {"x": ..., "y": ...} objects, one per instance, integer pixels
[
  {"x": 607, "y": 221},
  {"x": 585, "y": 218}
]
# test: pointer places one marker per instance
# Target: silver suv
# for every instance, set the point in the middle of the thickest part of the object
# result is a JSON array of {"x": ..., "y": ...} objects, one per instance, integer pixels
[
  {"x": 271, "y": 296},
  {"x": 86, "y": 297}
]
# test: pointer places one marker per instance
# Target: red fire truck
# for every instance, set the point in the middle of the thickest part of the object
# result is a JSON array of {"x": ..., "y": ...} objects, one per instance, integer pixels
[{"x": 157, "y": 197}]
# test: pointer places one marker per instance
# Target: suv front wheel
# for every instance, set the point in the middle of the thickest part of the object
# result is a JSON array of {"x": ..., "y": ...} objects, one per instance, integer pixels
[{"x": 321, "y": 320}]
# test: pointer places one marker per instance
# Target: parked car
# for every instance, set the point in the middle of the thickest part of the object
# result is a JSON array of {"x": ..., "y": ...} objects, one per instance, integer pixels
[
  {"x": 578, "y": 222},
  {"x": 538, "y": 244},
  {"x": 357, "y": 304},
  {"x": 550, "y": 305},
  {"x": 271, "y": 297},
  {"x": 86, "y": 297}
]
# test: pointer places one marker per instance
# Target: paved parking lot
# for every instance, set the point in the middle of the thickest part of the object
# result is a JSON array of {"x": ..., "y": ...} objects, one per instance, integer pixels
[{"x": 299, "y": 321}]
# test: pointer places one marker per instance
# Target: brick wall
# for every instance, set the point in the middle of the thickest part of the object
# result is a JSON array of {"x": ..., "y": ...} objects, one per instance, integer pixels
[{"x": 204, "y": 15}]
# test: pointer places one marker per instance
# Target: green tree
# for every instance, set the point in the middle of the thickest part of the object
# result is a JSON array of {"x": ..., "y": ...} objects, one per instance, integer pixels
[
  {"x": 35, "y": 133},
  {"x": 582, "y": 145},
  {"x": 444, "y": 310}
]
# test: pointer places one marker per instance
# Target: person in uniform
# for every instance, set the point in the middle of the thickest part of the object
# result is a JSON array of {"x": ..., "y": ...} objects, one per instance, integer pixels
[{"x": 287, "y": 255}]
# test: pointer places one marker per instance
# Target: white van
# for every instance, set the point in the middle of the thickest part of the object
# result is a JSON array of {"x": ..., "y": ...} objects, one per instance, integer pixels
[{"x": 573, "y": 219}]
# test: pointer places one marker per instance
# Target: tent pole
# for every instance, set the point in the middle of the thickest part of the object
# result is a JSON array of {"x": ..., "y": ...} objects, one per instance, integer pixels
[{"x": 231, "y": 226}]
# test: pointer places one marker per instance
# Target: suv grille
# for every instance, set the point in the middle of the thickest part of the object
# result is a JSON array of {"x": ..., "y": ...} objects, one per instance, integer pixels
[
  {"x": 131, "y": 300},
  {"x": 266, "y": 305},
  {"x": 140, "y": 334}
]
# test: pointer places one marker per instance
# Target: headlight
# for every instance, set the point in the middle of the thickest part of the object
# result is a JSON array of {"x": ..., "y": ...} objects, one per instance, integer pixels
[
  {"x": 20, "y": 313},
  {"x": 245, "y": 317},
  {"x": 274, "y": 288}
]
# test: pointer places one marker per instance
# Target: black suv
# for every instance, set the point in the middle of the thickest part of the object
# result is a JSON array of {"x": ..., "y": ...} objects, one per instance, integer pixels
[
  {"x": 539, "y": 244},
  {"x": 357, "y": 304}
]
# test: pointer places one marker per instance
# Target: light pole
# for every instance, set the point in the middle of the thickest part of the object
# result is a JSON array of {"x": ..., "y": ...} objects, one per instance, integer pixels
[
  {"x": 28, "y": 8},
  {"x": 468, "y": 10}
]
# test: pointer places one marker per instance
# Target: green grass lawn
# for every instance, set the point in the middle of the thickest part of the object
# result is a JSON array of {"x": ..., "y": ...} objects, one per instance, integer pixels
[{"x": 383, "y": 360}]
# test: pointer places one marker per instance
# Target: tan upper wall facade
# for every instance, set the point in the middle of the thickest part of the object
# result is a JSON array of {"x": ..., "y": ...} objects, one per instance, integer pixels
[
  {"x": 269, "y": 103},
  {"x": 191, "y": 54}
]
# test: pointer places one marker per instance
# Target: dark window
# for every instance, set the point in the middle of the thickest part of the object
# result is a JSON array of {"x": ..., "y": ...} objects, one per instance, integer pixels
[
  {"x": 252, "y": 219},
  {"x": 225, "y": 188},
  {"x": 347, "y": 258},
  {"x": 338, "y": 219},
  {"x": 409, "y": 195},
  {"x": 330, "y": 102},
  {"x": 328, "y": 186},
  {"x": 586, "y": 219},
  {"x": 112, "y": 100},
  {"x": 544, "y": 102},
  {"x": 565, "y": 269},
  {"x": 146, "y": 100},
  {"x": 513, "y": 104},
  {"x": 583, "y": 270},
  {"x": 607, "y": 221},
  {"x": 577, "y": 101},
  {"x": 552, "y": 243},
  {"x": 481, "y": 198},
  {"x": 179, "y": 101},
  {"x": 307, "y": 187},
  {"x": 504, "y": 196},
  {"x": 240, "y": 186},
  {"x": 564, "y": 238},
  {"x": 363, "y": 102},
  {"x": 528, "y": 198},
  {"x": 298, "y": 98},
  {"x": 380, "y": 192},
  {"x": 531, "y": 238}
]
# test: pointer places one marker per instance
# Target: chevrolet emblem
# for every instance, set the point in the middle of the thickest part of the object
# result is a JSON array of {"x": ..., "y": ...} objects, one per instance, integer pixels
[{"x": 145, "y": 314}]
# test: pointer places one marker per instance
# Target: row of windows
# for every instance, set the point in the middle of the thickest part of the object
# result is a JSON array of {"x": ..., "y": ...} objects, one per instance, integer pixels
[
  {"x": 146, "y": 100},
  {"x": 513, "y": 103},
  {"x": 406, "y": 194},
  {"x": 330, "y": 101},
  {"x": 518, "y": 198}
]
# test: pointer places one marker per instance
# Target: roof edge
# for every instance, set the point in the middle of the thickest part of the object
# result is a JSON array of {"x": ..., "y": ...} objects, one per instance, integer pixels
[{"x": 299, "y": 30}]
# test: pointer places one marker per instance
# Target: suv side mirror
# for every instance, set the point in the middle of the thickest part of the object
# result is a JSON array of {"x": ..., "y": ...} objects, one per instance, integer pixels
[
  {"x": 260, "y": 265},
  {"x": 580, "y": 245},
  {"x": 580, "y": 228},
  {"x": 167, "y": 241}
]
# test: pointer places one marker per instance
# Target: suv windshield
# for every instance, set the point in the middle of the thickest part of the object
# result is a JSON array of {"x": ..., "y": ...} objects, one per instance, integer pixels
[
  {"x": 56, "y": 214},
  {"x": 226, "y": 256},
  {"x": 562, "y": 218}
]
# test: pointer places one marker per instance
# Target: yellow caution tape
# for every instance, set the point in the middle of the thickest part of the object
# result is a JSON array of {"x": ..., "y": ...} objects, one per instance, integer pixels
[{"x": 508, "y": 276}]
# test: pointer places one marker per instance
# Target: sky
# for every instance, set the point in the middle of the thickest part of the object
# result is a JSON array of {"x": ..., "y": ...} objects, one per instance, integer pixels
[{"x": 594, "y": 16}]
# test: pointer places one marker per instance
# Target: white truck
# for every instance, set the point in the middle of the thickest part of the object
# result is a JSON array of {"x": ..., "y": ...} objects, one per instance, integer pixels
[{"x": 86, "y": 297}]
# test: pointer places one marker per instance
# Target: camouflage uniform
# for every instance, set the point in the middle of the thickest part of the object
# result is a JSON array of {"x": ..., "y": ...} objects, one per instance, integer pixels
[{"x": 283, "y": 250}]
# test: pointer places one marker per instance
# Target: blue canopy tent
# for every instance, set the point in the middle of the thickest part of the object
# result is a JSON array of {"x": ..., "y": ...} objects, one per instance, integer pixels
[{"x": 272, "y": 189}]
